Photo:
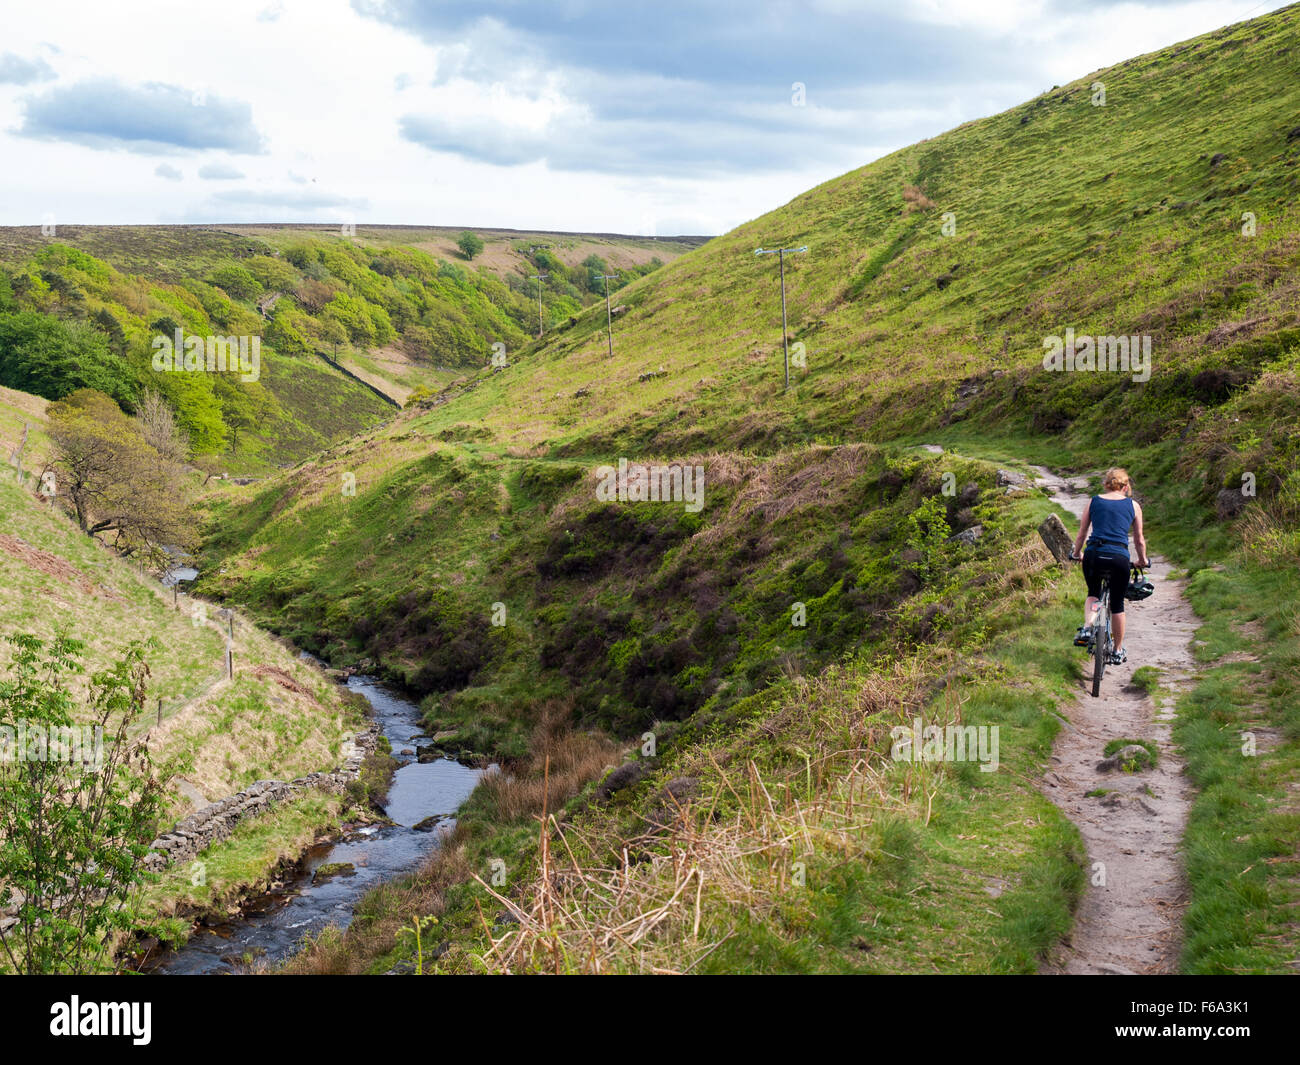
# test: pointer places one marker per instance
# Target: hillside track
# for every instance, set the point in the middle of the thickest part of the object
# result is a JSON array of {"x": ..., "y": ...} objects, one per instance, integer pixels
[{"x": 1129, "y": 920}]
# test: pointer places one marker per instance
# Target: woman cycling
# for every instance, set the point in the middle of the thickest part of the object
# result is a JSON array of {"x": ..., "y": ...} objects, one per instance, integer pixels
[{"x": 1110, "y": 515}]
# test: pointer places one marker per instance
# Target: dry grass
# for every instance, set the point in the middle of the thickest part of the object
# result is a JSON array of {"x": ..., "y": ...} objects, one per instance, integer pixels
[
  {"x": 813, "y": 476},
  {"x": 735, "y": 853},
  {"x": 916, "y": 199},
  {"x": 335, "y": 953},
  {"x": 559, "y": 766}
]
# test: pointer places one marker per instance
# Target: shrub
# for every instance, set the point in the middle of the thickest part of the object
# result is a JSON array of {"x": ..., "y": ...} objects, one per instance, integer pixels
[
  {"x": 236, "y": 281},
  {"x": 470, "y": 244}
]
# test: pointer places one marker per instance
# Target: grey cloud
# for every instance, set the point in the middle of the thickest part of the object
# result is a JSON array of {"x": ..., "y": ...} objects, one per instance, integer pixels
[
  {"x": 658, "y": 146},
  {"x": 684, "y": 89},
  {"x": 108, "y": 114},
  {"x": 15, "y": 70},
  {"x": 734, "y": 43},
  {"x": 170, "y": 173}
]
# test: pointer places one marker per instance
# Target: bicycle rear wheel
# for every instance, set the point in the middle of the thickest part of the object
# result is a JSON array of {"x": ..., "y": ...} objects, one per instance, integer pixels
[{"x": 1101, "y": 640}]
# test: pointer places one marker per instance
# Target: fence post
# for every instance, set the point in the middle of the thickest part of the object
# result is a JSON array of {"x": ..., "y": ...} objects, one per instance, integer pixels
[{"x": 160, "y": 709}]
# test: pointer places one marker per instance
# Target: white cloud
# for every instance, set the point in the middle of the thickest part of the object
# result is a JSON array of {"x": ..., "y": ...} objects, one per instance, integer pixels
[{"x": 330, "y": 90}]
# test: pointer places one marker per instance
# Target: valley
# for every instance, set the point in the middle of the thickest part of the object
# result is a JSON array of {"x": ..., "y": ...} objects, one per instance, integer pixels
[{"x": 633, "y": 627}]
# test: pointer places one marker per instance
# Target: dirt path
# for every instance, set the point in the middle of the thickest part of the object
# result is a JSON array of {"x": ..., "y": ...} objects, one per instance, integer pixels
[{"x": 1129, "y": 920}]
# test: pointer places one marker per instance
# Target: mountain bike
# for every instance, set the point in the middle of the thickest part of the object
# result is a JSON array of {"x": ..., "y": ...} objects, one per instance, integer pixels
[{"x": 1103, "y": 642}]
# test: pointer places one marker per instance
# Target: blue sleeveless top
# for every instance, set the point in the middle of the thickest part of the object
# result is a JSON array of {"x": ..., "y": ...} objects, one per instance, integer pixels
[{"x": 1111, "y": 519}]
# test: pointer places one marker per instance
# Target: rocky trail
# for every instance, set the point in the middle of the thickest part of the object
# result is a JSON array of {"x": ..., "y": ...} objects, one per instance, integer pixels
[{"x": 1129, "y": 919}]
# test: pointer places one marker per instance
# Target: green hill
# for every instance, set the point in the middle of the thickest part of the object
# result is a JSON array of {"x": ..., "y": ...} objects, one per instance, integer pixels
[
  {"x": 757, "y": 650},
  {"x": 277, "y": 718},
  {"x": 909, "y": 335},
  {"x": 922, "y": 311},
  {"x": 345, "y": 328}
]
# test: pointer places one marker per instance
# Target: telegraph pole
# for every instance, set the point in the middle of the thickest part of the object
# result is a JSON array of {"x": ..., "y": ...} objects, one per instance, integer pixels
[
  {"x": 781, "y": 253},
  {"x": 609, "y": 317},
  {"x": 539, "y": 278}
]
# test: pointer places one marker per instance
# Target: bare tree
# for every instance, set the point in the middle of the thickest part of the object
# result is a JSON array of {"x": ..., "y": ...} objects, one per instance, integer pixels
[
  {"x": 115, "y": 480},
  {"x": 159, "y": 428}
]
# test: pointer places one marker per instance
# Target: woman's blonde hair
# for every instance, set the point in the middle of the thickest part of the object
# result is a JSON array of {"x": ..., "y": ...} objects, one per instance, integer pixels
[{"x": 1116, "y": 479}]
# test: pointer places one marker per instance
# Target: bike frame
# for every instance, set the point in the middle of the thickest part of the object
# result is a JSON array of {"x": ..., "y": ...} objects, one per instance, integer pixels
[{"x": 1102, "y": 640}]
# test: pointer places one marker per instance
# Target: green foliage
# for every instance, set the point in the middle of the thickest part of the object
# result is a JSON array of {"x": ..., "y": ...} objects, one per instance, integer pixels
[
  {"x": 355, "y": 317},
  {"x": 76, "y": 816},
  {"x": 928, "y": 536},
  {"x": 52, "y": 358},
  {"x": 470, "y": 244},
  {"x": 237, "y": 281},
  {"x": 274, "y": 275}
]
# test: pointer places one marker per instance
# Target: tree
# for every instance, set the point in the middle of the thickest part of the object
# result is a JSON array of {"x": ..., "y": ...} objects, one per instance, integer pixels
[
  {"x": 928, "y": 536},
  {"x": 105, "y": 321},
  {"x": 283, "y": 333},
  {"x": 116, "y": 481},
  {"x": 313, "y": 295},
  {"x": 78, "y": 806},
  {"x": 470, "y": 244},
  {"x": 595, "y": 267},
  {"x": 52, "y": 358},
  {"x": 199, "y": 412},
  {"x": 354, "y": 314},
  {"x": 236, "y": 281},
  {"x": 331, "y": 332},
  {"x": 241, "y": 415},
  {"x": 157, "y": 424},
  {"x": 275, "y": 275}
]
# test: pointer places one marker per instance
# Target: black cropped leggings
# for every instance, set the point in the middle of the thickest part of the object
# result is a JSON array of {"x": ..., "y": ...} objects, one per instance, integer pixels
[{"x": 1113, "y": 565}]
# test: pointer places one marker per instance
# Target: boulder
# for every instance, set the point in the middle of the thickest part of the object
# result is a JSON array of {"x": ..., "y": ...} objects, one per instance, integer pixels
[
  {"x": 1132, "y": 757},
  {"x": 1229, "y": 503},
  {"x": 330, "y": 870},
  {"x": 623, "y": 776},
  {"x": 1056, "y": 538}
]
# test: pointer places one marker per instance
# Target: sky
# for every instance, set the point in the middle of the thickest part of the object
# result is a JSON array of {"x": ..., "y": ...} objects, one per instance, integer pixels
[{"x": 658, "y": 118}]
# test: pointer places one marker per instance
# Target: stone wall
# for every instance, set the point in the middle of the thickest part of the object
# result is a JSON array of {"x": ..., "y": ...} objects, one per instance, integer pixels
[{"x": 216, "y": 821}]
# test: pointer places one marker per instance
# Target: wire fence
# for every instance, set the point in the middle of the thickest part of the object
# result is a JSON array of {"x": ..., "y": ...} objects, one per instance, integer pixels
[{"x": 161, "y": 709}]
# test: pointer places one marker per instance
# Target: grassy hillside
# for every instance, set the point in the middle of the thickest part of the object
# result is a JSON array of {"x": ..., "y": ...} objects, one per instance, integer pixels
[
  {"x": 278, "y": 718},
  {"x": 920, "y": 313},
  {"x": 909, "y": 335},
  {"x": 86, "y": 306}
]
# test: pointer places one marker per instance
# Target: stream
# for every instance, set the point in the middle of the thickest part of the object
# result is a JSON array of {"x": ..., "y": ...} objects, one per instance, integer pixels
[{"x": 272, "y": 925}]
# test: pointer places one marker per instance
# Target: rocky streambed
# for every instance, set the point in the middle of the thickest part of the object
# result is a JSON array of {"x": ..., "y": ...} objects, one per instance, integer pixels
[{"x": 326, "y": 884}]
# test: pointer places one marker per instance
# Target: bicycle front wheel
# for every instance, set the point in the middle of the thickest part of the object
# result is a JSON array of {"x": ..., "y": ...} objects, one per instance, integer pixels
[{"x": 1101, "y": 643}]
